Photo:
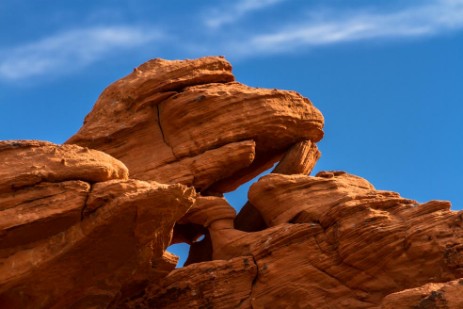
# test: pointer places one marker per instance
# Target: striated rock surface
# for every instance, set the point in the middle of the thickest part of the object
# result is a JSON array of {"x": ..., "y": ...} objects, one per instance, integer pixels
[
  {"x": 298, "y": 159},
  {"x": 216, "y": 284},
  {"x": 431, "y": 295},
  {"x": 85, "y": 242},
  {"x": 87, "y": 224},
  {"x": 30, "y": 162},
  {"x": 336, "y": 242},
  {"x": 188, "y": 122}
]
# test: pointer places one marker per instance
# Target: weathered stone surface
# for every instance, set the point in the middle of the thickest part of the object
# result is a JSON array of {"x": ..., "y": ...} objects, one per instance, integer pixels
[
  {"x": 118, "y": 246},
  {"x": 447, "y": 295},
  {"x": 34, "y": 213},
  {"x": 299, "y": 159},
  {"x": 188, "y": 122},
  {"x": 286, "y": 114},
  {"x": 125, "y": 119},
  {"x": 291, "y": 194},
  {"x": 336, "y": 242},
  {"x": 44, "y": 187},
  {"x": 76, "y": 232},
  {"x": 30, "y": 162},
  {"x": 215, "y": 284},
  {"x": 209, "y": 167},
  {"x": 80, "y": 243}
]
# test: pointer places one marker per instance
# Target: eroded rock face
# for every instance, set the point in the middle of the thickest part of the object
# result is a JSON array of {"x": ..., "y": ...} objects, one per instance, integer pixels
[
  {"x": 86, "y": 224},
  {"x": 30, "y": 162},
  {"x": 84, "y": 242},
  {"x": 188, "y": 122},
  {"x": 431, "y": 295},
  {"x": 216, "y": 284},
  {"x": 336, "y": 242}
]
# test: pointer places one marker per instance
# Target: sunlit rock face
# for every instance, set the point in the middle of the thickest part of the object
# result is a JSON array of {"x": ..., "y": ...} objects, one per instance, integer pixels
[
  {"x": 75, "y": 231},
  {"x": 189, "y": 122},
  {"x": 86, "y": 224}
]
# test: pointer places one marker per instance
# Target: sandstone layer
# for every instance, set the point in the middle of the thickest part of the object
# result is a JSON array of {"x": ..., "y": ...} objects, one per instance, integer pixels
[
  {"x": 333, "y": 242},
  {"x": 188, "y": 122},
  {"x": 87, "y": 224},
  {"x": 75, "y": 231}
]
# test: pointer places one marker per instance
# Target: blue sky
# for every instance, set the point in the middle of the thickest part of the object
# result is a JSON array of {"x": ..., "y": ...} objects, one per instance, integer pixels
[{"x": 387, "y": 75}]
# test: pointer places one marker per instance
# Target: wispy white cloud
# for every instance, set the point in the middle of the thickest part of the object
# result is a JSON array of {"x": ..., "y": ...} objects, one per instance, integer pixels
[
  {"x": 431, "y": 18},
  {"x": 218, "y": 17},
  {"x": 67, "y": 51}
]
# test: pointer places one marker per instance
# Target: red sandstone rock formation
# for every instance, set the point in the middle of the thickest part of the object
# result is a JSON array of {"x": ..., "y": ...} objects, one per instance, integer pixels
[
  {"x": 75, "y": 232},
  {"x": 188, "y": 122},
  {"x": 80, "y": 229}
]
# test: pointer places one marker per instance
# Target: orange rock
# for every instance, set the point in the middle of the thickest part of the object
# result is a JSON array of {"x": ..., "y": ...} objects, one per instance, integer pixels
[
  {"x": 37, "y": 212},
  {"x": 71, "y": 243},
  {"x": 188, "y": 122},
  {"x": 215, "y": 284},
  {"x": 209, "y": 167},
  {"x": 31, "y": 162},
  {"x": 211, "y": 121},
  {"x": 447, "y": 295},
  {"x": 76, "y": 232},
  {"x": 336, "y": 242},
  {"x": 299, "y": 159},
  {"x": 290, "y": 194}
]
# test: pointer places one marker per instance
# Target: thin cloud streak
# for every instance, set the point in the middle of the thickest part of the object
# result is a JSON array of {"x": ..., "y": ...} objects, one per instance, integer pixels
[
  {"x": 231, "y": 14},
  {"x": 72, "y": 50},
  {"x": 338, "y": 27},
  {"x": 69, "y": 50}
]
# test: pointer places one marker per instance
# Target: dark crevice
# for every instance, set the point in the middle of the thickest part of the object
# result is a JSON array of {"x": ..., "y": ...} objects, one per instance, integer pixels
[
  {"x": 254, "y": 280},
  {"x": 158, "y": 111},
  {"x": 200, "y": 251},
  {"x": 42, "y": 197},
  {"x": 207, "y": 192},
  {"x": 175, "y": 92},
  {"x": 162, "y": 95},
  {"x": 14, "y": 188},
  {"x": 201, "y": 151},
  {"x": 84, "y": 212},
  {"x": 242, "y": 220},
  {"x": 183, "y": 88}
]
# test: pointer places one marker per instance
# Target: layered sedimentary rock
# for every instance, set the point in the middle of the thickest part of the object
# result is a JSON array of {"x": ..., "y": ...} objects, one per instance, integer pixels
[
  {"x": 87, "y": 224},
  {"x": 188, "y": 122},
  {"x": 431, "y": 295},
  {"x": 300, "y": 158},
  {"x": 75, "y": 231},
  {"x": 336, "y": 242},
  {"x": 30, "y": 162},
  {"x": 217, "y": 284}
]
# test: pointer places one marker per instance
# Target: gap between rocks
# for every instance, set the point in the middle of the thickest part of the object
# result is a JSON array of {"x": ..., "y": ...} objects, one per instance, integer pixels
[{"x": 237, "y": 199}]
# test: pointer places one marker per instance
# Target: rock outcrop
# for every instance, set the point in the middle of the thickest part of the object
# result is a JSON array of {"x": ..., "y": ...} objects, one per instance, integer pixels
[
  {"x": 430, "y": 295},
  {"x": 87, "y": 224},
  {"x": 336, "y": 242},
  {"x": 188, "y": 122},
  {"x": 75, "y": 232}
]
